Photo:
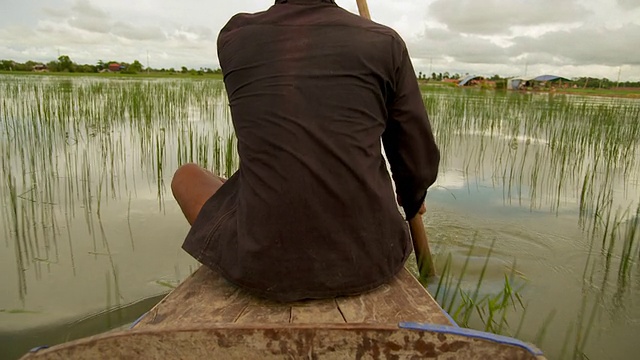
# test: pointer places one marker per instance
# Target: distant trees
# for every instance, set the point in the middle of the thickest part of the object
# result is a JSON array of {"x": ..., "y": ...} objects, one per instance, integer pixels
[
  {"x": 86, "y": 68},
  {"x": 604, "y": 83},
  {"x": 6, "y": 65},
  {"x": 133, "y": 68},
  {"x": 65, "y": 64},
  {"x": 10, "y": 65}
]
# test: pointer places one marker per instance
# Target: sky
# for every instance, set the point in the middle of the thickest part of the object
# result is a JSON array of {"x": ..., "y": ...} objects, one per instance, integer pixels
[{"x": 569, "y": 38}]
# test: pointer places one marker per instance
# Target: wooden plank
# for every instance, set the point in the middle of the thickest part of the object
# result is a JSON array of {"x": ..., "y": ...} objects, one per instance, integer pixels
[
  {"x": 206, "y": 317},
  {"x": 403, "y": 299},
  {"x": 316, "y": 312},
  {"x": 205, "y": 297},
  {"x": 285, "y": 341},
  {"x": 262, "y": 311}
]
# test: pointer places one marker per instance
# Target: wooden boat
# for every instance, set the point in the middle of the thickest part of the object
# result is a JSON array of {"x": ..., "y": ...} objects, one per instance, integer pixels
[{"x": 205, "y": 317}]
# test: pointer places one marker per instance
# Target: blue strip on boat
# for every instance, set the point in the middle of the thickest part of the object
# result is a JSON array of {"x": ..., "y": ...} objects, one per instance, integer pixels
[
  {"x": 453, "y": 322},
  {"x": 36, "y": 349},
  {"x": 137, "y": 321},
  {"x": 472, "y": 334}
]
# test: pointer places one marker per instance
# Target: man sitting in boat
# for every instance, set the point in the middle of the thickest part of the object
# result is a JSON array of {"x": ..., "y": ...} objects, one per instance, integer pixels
[{"x": 311, "y": 211}]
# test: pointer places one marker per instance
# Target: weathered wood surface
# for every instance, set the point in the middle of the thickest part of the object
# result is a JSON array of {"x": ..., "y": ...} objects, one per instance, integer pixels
[
  {"x": 205, "y": 317},
  {"x": 346, "y": 341},
  {"x": 206, "y": 298}
]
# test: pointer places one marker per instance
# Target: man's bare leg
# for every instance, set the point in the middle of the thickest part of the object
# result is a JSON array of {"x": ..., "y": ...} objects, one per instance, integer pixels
[{"x": 192, "y": 186}]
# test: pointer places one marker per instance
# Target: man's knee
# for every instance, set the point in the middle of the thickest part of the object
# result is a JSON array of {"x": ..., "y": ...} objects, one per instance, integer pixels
[{"x": 185, "y": 173}]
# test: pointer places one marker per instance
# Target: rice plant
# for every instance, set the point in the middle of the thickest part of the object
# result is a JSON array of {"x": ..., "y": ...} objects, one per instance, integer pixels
[{"x": 71, "y": 147}]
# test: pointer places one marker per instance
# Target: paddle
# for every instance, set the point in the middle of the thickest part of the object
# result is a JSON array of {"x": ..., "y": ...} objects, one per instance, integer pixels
[{"x": 416, "y": 226}]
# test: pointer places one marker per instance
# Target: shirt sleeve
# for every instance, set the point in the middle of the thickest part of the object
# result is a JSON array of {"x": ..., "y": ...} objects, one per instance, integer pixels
[{"x": 408, "y": 139}]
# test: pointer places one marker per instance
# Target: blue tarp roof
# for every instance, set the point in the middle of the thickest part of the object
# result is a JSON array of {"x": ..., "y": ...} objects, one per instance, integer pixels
[
  {"x": 548, "y": 78},
  {"x": 467, "y": 79}
]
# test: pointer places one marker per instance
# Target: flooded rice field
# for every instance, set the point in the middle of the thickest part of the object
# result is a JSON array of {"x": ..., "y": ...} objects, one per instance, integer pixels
[{"x": 534, "y": 221}]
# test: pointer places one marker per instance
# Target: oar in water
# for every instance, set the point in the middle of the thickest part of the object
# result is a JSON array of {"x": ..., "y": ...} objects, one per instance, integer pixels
[{"x": 416, "y": 226}]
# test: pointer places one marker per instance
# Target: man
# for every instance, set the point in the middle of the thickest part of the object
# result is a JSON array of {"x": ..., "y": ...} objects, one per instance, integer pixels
[{"x": 311, "y": 211}]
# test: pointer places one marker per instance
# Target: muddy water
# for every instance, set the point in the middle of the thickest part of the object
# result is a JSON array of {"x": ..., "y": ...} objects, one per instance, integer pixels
[{"x": 91, "y": 237}]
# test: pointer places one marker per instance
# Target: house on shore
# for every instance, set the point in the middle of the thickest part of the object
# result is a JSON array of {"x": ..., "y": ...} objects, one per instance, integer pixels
[
  {"x": 40, "y": 68},
  {"x": 115, "y": 67}
]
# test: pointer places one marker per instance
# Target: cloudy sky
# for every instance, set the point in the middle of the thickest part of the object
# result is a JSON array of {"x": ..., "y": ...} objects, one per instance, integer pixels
[{"x": 570, "y": 38}]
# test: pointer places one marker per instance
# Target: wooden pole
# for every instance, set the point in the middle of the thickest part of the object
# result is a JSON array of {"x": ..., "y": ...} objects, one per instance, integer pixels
[
  {"x": 424, "y": 259},
  {"x": 363, "y": 9},
  {"x": 426, "y": 267}
]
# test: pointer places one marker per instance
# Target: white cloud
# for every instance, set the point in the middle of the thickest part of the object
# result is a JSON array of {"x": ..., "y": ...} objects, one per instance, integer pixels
[
  {"x": 629, "y": 4},
  {"x": 86, "y": 9},
  {"x": 498, "y": 16},
  {"x": 568, "y": 37},
  {"x": 587, "y": 46},
  {"x": 133, "y": 32},
  {"x": 88, "y": 24},
  {"x": 55, "y": 13}
]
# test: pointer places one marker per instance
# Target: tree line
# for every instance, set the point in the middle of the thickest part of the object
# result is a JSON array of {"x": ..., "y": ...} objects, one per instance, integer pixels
[{"x": 64, "y": 64}]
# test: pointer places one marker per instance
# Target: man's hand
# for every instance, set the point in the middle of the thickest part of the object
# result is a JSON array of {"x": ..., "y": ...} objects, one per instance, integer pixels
[{"x": 423, "y": 208}]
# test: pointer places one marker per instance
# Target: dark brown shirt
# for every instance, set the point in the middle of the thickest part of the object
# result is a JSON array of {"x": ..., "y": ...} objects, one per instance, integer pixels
[{"x": 311, "y": 211}]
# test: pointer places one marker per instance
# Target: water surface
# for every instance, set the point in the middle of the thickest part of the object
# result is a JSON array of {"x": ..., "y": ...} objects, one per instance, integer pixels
[{"x": 91, "y": 235}]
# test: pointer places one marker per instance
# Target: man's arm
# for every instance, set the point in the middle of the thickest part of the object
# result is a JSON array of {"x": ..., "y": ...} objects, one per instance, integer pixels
[{"x": 408, "y": 140}]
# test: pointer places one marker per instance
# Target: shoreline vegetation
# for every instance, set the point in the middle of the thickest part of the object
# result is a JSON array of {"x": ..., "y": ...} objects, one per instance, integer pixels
[
  {"x": 117, "y": 75},
  {"x": 630, "y": 93},
  {"x": 621, "y": 92},
  {"x": 616, "y": 92},
  {"x": 585, "y": 86}
]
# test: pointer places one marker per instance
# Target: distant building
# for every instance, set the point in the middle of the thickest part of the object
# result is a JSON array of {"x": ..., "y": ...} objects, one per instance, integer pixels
[
  {"x": 552, "y": 81},
  {"x": 475, "y": 80},
  {"x": 537, "y": 82},
  {"x": 545, "y": 78},
  {"x": 115, "y": 67},
  {"x": 40, "y": 68},
  {"x": 518, "y": 83},
  {"x": 470, "y": 80}
]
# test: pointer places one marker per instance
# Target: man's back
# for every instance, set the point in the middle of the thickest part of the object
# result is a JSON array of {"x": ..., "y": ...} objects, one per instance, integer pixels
[{"x": 312, "y": 212}]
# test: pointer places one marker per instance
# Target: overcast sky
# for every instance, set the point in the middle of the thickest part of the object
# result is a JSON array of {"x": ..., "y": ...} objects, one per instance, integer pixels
[{"x": 570, "y": 38}]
